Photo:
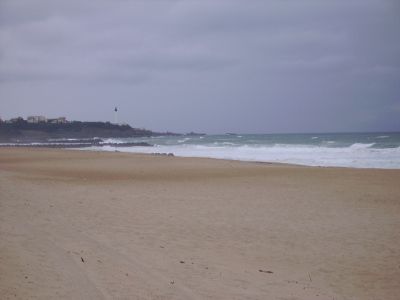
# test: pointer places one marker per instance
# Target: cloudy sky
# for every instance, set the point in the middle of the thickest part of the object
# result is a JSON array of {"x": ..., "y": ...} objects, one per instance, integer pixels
[{"x": 207, "y": 65}]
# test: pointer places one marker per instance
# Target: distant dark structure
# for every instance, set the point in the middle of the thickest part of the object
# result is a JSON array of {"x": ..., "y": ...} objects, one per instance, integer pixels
[
  {"x": 115, "y": 115},
  {"x": 21, "y": 130}
]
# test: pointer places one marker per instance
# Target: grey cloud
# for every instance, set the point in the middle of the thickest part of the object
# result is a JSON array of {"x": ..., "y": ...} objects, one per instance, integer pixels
[{"x": 246, "y": 66}]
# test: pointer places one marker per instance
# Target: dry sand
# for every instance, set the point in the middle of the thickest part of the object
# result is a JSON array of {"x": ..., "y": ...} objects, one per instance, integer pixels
[{"x": 86, "y": 225}]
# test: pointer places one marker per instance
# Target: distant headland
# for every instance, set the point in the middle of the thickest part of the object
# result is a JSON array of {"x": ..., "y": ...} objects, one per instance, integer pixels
[{"x": 40, "y": 129}]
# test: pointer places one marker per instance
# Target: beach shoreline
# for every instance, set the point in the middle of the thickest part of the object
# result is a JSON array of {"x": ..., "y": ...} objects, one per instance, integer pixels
[
  {"x": 350, "y": 150},
  {"x": 106, "y": 225}
]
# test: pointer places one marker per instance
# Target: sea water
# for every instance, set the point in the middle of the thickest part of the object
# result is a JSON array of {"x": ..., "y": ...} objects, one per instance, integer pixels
[{"x": 359, "y": 150}]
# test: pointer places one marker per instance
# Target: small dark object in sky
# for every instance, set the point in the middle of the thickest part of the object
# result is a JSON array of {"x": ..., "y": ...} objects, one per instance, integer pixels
[
  {"x": 172, "y": 282},
  {"x": 82, "y": 259},
  {"x": 182, "y": 262}
]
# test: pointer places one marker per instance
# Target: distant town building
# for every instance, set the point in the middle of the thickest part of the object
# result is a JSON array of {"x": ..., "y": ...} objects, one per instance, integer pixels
[
  {"x": 36, "y": 119},
  {"x": 60, "y": 120},
  {"x": 15, "y": 120}
]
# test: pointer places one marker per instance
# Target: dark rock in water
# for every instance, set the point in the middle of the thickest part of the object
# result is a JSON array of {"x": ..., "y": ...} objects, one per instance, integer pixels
[{"x": 195, "y": 134}]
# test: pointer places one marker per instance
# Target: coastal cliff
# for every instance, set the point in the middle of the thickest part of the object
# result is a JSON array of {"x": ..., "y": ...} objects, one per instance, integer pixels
[{"x": 24, "y": 131}]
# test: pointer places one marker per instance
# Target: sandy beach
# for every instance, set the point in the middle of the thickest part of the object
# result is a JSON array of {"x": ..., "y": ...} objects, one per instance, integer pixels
[{"x": 96, "y": 225}]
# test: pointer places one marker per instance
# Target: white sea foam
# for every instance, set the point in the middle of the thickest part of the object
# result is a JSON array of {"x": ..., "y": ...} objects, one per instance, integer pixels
[
  {"x": 223, "y": 144},
  {"x": 361, "y": 146},
  {"x": 65, "y": 139},
  {"x": 382, "y": 137},
  {"x": 183, "y": 140},
  {"x": 356, "y": 155},
  {"x": 112, "y": 141}
]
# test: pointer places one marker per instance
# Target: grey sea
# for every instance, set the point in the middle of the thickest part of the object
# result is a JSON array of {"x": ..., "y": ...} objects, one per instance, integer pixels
[{"x": 359, "y": 150}]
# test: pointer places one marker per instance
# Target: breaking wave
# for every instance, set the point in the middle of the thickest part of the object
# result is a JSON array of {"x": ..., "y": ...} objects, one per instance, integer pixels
[{"x": 357, "y": 155}]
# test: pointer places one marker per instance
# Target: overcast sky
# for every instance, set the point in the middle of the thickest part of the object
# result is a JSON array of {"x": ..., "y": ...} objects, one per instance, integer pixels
[{"x": 208, "y": 66}]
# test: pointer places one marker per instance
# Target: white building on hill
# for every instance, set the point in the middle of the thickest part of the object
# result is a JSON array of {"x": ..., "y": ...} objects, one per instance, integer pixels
[
  {"x": 60, "y": 120},
  {"x": 36, "y": 119}
]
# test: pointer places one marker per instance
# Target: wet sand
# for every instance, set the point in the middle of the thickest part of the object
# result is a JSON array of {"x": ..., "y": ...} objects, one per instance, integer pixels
[{"x": 91, "y": 225}]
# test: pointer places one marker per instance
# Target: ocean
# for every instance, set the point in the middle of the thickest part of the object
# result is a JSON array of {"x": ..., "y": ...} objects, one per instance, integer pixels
[{"x": 358, "y": 150}]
